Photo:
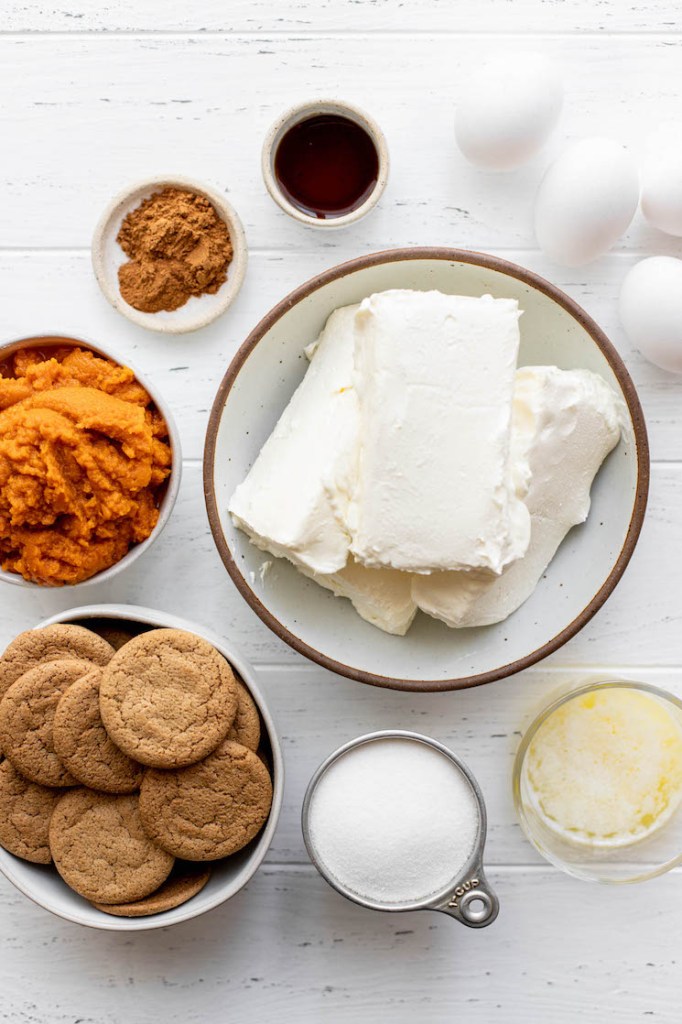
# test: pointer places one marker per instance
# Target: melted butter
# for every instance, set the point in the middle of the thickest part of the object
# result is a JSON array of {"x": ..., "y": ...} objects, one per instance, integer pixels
[{"x": 606, "y": 767}]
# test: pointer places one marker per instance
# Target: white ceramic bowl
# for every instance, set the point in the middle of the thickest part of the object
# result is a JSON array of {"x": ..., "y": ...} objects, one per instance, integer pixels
[
  {"x": 44, "y": 886},
  {"x": 173, "y": 485},
  {"x": 260, "y": 382},
  {"x": 107, "y": 257},
  {"x": 302, "y": 112}
]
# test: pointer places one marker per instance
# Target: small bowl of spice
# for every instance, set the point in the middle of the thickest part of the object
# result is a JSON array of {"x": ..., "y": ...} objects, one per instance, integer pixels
[
  {"x": 170, "y": 254},
  {"x": 325, "y": 163}
]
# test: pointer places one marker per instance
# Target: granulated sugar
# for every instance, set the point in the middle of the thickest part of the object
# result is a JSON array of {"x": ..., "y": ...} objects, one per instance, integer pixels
[{"x": 393, "y": 820}]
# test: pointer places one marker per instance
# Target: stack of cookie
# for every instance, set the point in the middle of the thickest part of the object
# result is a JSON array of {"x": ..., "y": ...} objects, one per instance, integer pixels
[{"x": 123, "y": 753}]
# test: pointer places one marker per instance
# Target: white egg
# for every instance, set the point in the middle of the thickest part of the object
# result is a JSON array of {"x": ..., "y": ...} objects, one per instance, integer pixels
[
  {"x": 651, "y": 310},
  {"x": 662, "y": 183},
  {"x": 585, "y": 201},
  {"x": 507, "y": 109}
]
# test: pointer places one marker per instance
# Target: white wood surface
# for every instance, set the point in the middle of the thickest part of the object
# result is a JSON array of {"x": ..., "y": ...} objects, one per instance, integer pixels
[{"x": 94, "y": 95}]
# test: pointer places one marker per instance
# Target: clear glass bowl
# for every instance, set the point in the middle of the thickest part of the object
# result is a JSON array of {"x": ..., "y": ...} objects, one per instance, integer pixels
[{"x": 637, "y": 861}]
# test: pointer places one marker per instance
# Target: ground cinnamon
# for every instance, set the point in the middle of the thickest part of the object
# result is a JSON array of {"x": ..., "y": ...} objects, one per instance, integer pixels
[{"x": 177, "y": 245}]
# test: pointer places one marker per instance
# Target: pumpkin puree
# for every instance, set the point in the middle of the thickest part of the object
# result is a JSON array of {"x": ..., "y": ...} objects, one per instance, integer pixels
[{"x": 84, "y": 455}]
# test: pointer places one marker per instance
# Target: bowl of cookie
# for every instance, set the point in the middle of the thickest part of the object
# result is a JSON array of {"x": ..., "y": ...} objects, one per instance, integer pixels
[{"x": 142, "y": 776}]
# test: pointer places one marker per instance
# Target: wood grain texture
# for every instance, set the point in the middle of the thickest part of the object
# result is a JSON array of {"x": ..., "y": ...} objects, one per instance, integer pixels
[
  {"x": 95, "y": 113},
  {"x": 188, "y": 369},
  {"x": 357, "y": 16},
  {"x": 289, "y": 949},
  {"x": 639, "y": 624},
  {"x": 483, "y": 727},
  {"x": 94, "y": 95}
]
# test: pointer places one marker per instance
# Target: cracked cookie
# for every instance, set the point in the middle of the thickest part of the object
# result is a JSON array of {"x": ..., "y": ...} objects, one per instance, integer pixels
[
  {"x": 209, "y": 810},
  {"x": 168, "y": 698},
  {"x": 101, "y": 850},
  {"x": 83, "y": 744},
  {"x": 26, "y": 720},
  {"x": 184, "y": 882},
  {"x": 25, "y": 811},
  {"x": 51, "y": 643}
]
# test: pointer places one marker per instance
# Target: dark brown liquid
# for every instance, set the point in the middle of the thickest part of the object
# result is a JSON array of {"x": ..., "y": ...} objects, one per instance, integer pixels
[{"x": 326, "y": 166}]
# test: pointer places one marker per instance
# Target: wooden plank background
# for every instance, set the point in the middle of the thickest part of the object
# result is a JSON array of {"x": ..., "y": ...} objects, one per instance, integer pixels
[{"x": 94, "y": 95}]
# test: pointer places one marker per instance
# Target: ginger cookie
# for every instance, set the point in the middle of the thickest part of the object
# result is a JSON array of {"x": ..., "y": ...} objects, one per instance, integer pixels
[
  {"x": 246, "y": 726},
  {"x": 117, "y": 638},
  {"x": 51, "y": 643},
  {"x": 116, "y": 632},
  {"x": 83, "y": 744},
  {"x": 25, "y": 811},
  {"x": 209, "y": 810},
  {"x": 185, "y": 881},
  {"x": 101, "y": 850},
  {"x": 168, "y": 698},
  {"x": 26, "y": 719}
]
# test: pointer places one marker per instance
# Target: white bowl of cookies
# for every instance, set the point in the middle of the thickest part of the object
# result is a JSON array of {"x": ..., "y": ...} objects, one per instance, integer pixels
[{"x": 142, "y": 776}]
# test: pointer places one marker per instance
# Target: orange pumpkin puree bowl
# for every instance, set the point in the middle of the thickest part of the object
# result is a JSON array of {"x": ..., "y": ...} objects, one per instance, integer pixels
[{"x": 90, "y": 462}]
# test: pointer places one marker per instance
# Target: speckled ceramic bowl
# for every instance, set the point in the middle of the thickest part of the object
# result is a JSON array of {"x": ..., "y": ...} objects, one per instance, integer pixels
[
  {"x": 7, "y": 349},
  {"x": 107, "y": 257},
  {"x": 302, "y": 112},
  {"x": 590, "y": 562},
  {"x": 44, "y": 886}
]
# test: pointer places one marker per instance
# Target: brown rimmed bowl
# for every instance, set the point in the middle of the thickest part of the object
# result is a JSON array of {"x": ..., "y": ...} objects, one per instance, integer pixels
[{"x": 257, "y": 387}]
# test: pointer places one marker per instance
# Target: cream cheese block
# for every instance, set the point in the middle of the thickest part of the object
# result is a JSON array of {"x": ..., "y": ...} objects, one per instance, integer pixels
[
  {"x": 292, "y": 502},
  {"x": 357, "y": 480},
  {"x": 286, "y": 504},
  {"x": 382, "y": 597},
  {"x": 434, "y": 375},
  {"x": 564, "y": 424}
]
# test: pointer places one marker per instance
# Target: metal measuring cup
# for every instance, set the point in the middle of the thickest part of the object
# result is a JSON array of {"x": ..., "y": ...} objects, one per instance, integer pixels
[{"x": 468, "y": 897}]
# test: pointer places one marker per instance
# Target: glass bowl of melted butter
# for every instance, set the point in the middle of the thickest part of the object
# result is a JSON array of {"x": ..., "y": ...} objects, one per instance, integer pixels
[{"x": 598, "y": 782}]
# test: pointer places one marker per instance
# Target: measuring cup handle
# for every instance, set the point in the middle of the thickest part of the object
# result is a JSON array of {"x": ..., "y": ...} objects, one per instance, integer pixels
[{"x": 472, "y": 902}]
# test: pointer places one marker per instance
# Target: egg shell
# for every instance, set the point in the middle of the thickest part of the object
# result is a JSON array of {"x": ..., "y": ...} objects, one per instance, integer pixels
[
  {"x": 662, "y": 186},
  {"x": 650, "y": 309},
  {"x": 507, "y": 109},
  {"x": 585, "y": 201}
]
